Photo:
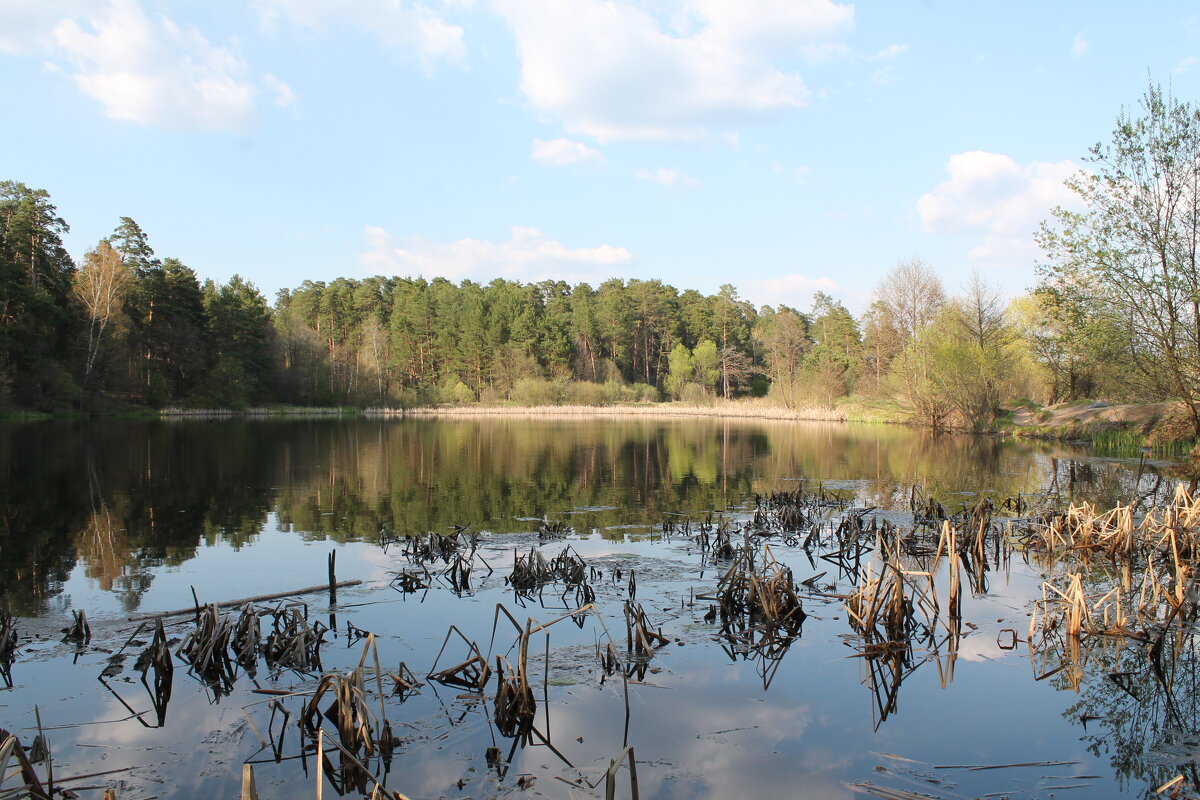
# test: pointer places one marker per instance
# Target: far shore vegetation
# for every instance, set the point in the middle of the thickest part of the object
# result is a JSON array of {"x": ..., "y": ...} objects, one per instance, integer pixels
[{"x": 1113, "y": 321}]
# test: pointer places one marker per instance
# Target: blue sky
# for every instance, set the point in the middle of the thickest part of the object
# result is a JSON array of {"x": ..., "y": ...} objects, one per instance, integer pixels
[{"x": 783, "y": 146}]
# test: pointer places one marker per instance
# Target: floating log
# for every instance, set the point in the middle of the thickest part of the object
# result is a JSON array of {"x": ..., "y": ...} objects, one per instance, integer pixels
[{"x": 262, "y": 598}]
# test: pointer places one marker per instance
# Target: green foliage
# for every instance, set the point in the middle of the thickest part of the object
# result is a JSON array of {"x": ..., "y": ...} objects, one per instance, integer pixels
[
  {"x": 454, "y": 390},
  {"x": 1103, "y": 322},
  {"x": 695, "y": 394},
  {"x": 1117, "y": 441},
  {"x": 536, "y": 392},
  {"x": 706, "y": 361},
  {"x": 680, "y": 369},
  {"x": 644, "y": 393},
  {"x": 240, "y": 339},
  {"x": 1130, "y": 260},
  {"x": 586, "y": 393},
  {"x": 157, "y": 395},
  {"x": 36, "y": 322},
  {"x": 226, "y": 385},
  {"x": 784, "y": 335}
]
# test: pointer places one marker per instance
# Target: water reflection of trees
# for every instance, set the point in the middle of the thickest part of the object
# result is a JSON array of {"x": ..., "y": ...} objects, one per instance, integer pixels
[
  {"x": 1143, "y": 719},
  {"x": 128, "y": 497}
]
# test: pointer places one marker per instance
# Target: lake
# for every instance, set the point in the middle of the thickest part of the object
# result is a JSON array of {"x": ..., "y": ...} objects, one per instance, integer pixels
[{"x": 117, "y": 519}]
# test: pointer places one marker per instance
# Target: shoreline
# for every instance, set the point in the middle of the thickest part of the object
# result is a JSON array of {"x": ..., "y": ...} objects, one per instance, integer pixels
[
  {"x": 1153, "y": 427},
  {"x": 650, "y": 410}
]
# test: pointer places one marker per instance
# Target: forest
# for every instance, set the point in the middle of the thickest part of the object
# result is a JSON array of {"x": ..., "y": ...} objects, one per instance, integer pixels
[{"x": 1115, "y": 315}]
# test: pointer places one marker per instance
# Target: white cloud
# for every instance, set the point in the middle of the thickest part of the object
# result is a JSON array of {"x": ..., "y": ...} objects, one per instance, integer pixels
[
  {"x": 774, "y": 26},
  {"x": 884, "y": 76},
  {"x": 153, "y": 71},
  {"x": 614, "y": 71},
  {"x": 284, "y": 96},
  {"x": 559, "y": 152},
  {"x": 795, "y": 290},
  {"x": 1079, "y": 45},
  {"x": 989, "y": 195},
  {"x": 1184, "y": 65},
  {"x": 667, "y": 177},
  {"x": 409, "y": 26},
  {"x": 891, "y": 51},
  {"x": 529, "y": 255},
  {"x": 27, "y": 26}
]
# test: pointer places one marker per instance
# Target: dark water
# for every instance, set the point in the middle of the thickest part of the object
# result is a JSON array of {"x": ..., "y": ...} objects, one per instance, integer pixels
[{"x": 119, "y": 518}]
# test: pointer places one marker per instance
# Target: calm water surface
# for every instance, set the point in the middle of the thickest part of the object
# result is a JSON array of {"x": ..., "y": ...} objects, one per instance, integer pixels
[{"x": 120, "y": 518}]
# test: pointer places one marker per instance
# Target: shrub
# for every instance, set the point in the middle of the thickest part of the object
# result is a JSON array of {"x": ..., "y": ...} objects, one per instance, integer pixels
[
  {"x": 612, "y": 390},
  {"x": 536, "y": 392},
  {"x": 695, "y": 394},
  {"x": 586, "y": 393},
  {"x": 645, "y": 393}
]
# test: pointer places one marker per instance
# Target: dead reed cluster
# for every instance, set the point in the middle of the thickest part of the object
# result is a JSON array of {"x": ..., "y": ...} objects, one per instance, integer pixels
[
  {"x": 219, "y": 645},
  {"x": 349, "y": 733},
  {"x": 532, "y": 572},
  {"x": 294, "y": 642},
  {"x": 459, "y": 556},
  {"x": 548, "y": 530},
  {"x": 759, "y": 592},
  {"x": 1127, "y": 575},
  {"x": 79, "y": 631},
  {"x": 8, "y": 646}
]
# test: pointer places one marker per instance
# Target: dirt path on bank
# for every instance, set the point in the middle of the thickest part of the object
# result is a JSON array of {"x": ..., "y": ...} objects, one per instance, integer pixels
[{"x": 1065, "y": 415}]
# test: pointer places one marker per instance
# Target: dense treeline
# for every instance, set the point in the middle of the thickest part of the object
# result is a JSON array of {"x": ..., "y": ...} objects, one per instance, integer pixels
[
  {"x": 122, "y": 323},
  {"x": 1116, "y": 315},
  {"x": 126, "y": 324}
]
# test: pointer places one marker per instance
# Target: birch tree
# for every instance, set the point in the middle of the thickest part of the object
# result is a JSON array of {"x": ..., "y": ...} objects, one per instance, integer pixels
[{"x": 100, "y": 287}]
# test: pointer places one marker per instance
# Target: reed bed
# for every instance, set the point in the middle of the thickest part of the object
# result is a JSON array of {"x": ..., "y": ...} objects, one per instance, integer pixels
[
  {"x": 1128, "y": 575},
  {"x": 1118, "y": 578}
]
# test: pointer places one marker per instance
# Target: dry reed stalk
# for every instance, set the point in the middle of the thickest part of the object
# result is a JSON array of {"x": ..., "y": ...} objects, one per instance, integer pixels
[
  {"x": 359, "y": 730},
  {"x": 360, "y": 769},
  {"x": 610, "y": 776},
  {"x": 249, "y": 789},
  {"x": 247, "y": 638},
  {"x": 731, "y": 409},
  {"x": 471, "y": 673},
  {"x": 641, "y": 639},
  {"x": 79, "y": 631},
  {"x": 206, "y": 650},
  {"x": 10, "y": 747},
  {"x": 404, "y": 681},
  {"x": 515, "y": 707}
]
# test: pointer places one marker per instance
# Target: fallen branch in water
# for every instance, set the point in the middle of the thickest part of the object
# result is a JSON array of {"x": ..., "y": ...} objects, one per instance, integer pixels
[{"x": 262, "y": 598}]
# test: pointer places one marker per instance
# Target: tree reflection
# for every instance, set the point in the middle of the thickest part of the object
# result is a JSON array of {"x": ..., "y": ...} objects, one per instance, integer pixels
[
  {"x": 1144, "y": 720},
  {"x": 126, "y": 498}
]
